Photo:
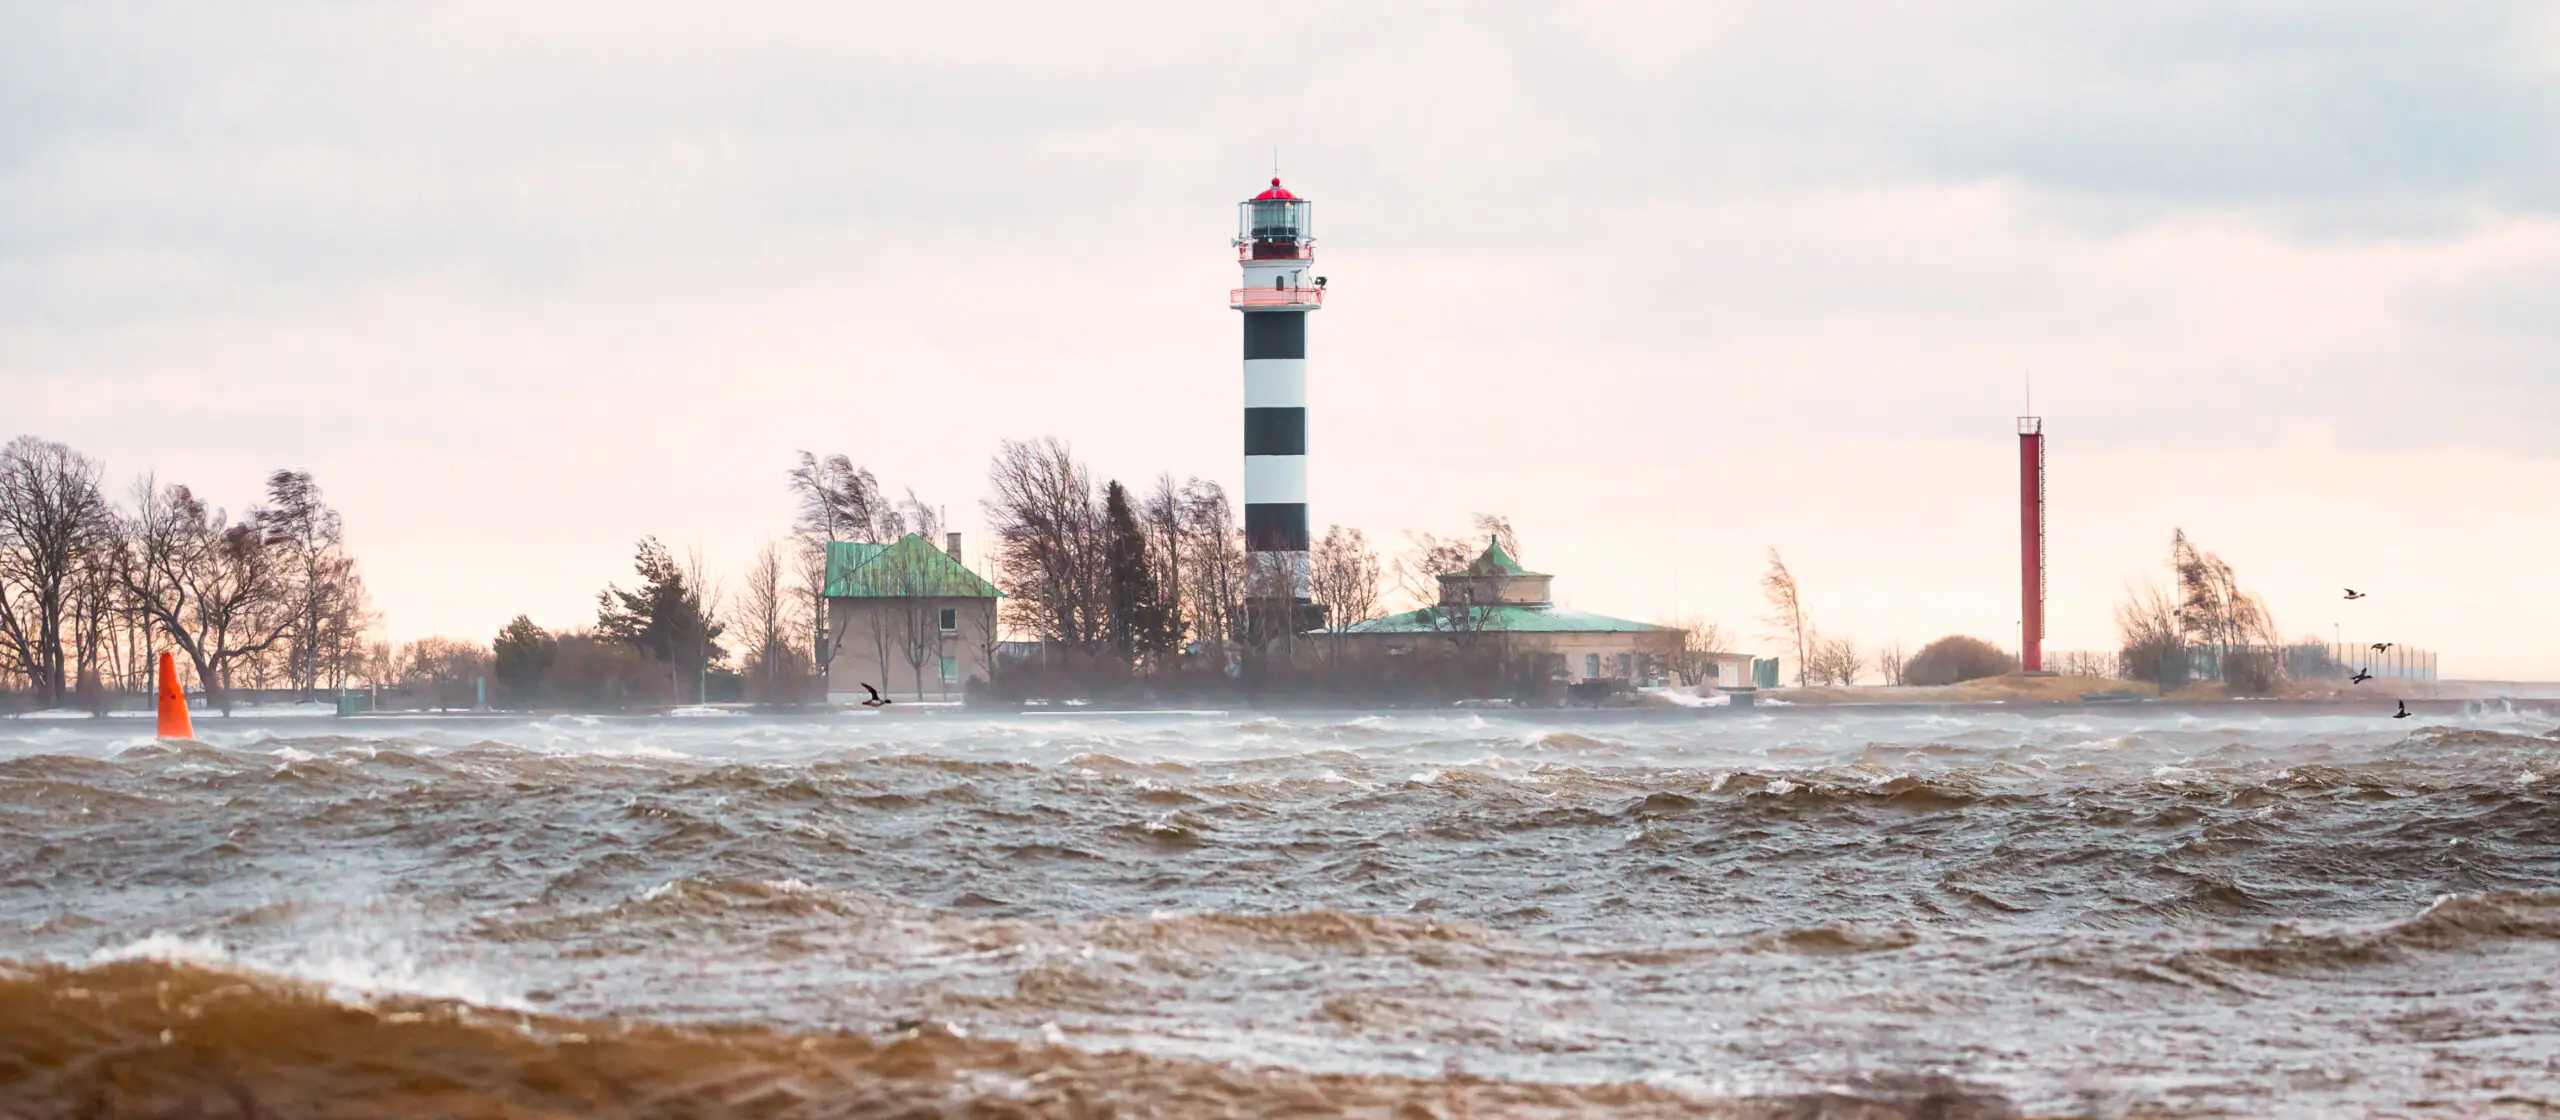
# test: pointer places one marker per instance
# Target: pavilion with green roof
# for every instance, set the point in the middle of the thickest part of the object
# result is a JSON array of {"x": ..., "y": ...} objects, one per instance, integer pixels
[{"x": 1494, "y": 595}]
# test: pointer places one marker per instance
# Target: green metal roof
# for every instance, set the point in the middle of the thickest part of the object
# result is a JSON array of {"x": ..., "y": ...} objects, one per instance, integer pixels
[
  {"x": 909, "y": 566},
  {"x": 1496, "y": 562},
  {"x": 1509, "y": 620}
]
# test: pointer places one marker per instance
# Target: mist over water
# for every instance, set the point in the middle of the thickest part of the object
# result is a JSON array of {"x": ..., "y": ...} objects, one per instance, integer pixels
[{"x": 2200, "y": 912}]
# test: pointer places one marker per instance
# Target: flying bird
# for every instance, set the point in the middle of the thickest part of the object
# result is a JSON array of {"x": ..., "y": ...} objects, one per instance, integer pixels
[
  {"x": 2403, "y": 713},
  {"x": 2361, "y": 676},
  {"x": 2352, "y": 593},
  {"x": 2381, "y": 647},
  {"x": 877, "y": 700}
]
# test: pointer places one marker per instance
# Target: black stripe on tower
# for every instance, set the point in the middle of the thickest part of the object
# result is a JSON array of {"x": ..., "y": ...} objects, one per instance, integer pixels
[
  {"x": 1275, "y": 431},
  {"x": 1275, "y": 334},
  {"x": 1275, "y": 527}
]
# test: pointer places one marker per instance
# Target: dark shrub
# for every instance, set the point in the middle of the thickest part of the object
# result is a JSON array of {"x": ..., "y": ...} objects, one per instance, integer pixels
[
  {"x": 1956, "y": 658},
  {"x": 2252, "y": 672}
]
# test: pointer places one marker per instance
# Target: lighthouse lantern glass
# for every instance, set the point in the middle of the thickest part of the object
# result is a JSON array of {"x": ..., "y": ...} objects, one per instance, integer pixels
[{"x": 1278, "y": 219}]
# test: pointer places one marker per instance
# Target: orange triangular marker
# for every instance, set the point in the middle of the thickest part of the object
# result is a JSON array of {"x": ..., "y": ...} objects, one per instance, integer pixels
[{"x": 174, "y": 721}]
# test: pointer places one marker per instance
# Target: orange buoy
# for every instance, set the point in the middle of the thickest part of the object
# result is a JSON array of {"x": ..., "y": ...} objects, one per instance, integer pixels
[{"x": 174, "y": 721}]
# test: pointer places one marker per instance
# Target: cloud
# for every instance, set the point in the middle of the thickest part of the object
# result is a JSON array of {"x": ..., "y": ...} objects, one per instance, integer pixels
[{"x": 524, "y": 283}]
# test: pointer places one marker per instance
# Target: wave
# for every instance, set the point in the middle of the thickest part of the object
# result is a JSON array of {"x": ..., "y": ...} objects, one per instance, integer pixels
[
  {"x": 2451, "y": 922},
  {"x": 1837, "y": 940},
  {"x": 153, "y": 1038},
  {"x": 1299, "y": 930}
]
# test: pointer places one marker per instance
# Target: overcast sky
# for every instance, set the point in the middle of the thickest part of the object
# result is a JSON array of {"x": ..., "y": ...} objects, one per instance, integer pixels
[{"x": 1668, "y": 284}]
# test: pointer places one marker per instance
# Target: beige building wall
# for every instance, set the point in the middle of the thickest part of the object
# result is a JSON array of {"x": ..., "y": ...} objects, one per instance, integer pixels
[
  {"x": 871, "y": 636},
  {"x": 1638, "y": 652},
  {"x": 1523, "y": 589},
  {"x": 1630, "y": 655}
]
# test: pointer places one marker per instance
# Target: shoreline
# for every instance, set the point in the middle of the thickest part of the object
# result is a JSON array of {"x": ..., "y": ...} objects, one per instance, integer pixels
[{"x": 1663, "y": 713}]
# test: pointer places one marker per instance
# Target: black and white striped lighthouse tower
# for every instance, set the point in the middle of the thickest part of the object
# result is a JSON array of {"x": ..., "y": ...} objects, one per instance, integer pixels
[{"x": 1276, "y": 245}]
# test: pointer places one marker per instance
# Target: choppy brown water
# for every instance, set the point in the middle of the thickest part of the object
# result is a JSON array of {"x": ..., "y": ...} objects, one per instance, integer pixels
[{"x": 1788, "y": 914}]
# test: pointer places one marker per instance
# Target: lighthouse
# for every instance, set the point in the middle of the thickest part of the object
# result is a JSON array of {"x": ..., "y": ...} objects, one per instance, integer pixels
[{"x": 1276, "y": 246}]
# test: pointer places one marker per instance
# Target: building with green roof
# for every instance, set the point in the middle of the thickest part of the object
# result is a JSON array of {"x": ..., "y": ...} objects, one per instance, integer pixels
[
  {"x": 1494, "y": 598},
  {"x": 907, "y": 618}
]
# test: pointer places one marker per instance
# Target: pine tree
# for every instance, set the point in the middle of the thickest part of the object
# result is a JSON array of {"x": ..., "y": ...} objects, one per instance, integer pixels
[
  {"x": 520, "y": 658},
  {"x": 1139, "y": 621},
  {"x": 664, "y": 618}
]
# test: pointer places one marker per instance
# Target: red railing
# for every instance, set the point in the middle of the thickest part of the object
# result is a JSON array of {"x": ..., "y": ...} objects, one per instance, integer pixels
[{"x": 1276, "y": 297}]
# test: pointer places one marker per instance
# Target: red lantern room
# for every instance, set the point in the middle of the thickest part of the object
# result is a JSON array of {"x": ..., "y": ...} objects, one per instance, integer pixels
[
  {"x": 1276, "y": 245},
  {"x": 1275, "y": 226}
]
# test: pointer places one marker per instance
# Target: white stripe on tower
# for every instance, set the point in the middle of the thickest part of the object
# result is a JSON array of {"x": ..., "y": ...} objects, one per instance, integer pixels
[
  {"x": 1275, "y": 383},
  {"x": 1274, "y": 479}
]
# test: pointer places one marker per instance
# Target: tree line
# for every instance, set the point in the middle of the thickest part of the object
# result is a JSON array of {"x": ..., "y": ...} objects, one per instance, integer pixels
[
  {"x": 1106, "y": 584},
  {"x": 90, "y": 588},
  {"x": 1103, "y": 577},
  {"x": 1141, "y": 581}
]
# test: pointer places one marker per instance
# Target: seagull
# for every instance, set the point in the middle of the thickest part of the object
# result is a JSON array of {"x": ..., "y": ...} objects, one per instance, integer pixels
[
  {"x": 2352, "y": 593},
  {"x": 2403, "y": 713},
  {"x": 2380, "y": 647},
  {"x": 2361, "y": 676},
  {"x": 877, "y": 700}
]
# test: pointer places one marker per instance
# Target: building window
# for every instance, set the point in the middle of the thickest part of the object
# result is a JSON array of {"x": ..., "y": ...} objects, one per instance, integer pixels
[
  {"x": 1627, "y": 666},
  {"x": 1591, "y": 666},
  {"x": 950, "y": 621},
  {"x": 950, "y": 669}
]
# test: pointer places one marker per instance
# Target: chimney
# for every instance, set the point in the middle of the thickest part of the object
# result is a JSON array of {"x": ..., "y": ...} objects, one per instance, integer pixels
[{"x": 951, "y": 544}]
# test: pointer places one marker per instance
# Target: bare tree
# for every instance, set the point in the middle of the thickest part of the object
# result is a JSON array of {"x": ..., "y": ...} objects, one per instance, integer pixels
[
  {"x": 308, "y": 538},
  {"x": 343, "y": 615},
  {"x": 913, "y": 576},
  {"x": 1342, "y": 574},
  {"x": 1425, "y": 559},
  {"x": 760, "y": 617},
  {"x": 2150, "y": 642},
  {"x": 211, "y": 587},
  {"x": 1889, "y": 663},
  {"x": 55, "y": 529},
  {"x": 1160, "y": 514},
  {"x": 1467, "y": 617},
  {"x": 2211, "y": 606},
  {"x": 97, "y": 625},
  {"x": 381, "y": 665},
  {"x": 1835, "y": 661},
  {"x": 445, "y": 672},
  {"x": 912, "y": 515},
  {"x": 1213, "y": 552},
  {"x": 838, "y": 502},
  {"x": 2214, "y": 611},
  {"x": 703, "y": 624},
  {"x": 1699, "y": 639},
  {"x": 1786, "y": 611},
  {"x": 1049, "y": 542}
]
